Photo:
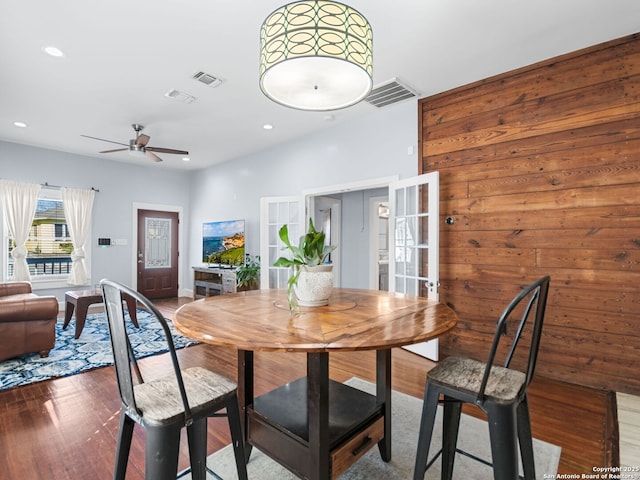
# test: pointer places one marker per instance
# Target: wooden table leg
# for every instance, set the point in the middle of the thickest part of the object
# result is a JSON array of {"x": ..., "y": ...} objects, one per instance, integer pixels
[
  {"x": 68, "y": 311},
  {"x": 245, "y": 393},
  {"x": 318, "y": 415},
  {"x": 82, "y": 307},
  {"x": 383, "y": 394}
]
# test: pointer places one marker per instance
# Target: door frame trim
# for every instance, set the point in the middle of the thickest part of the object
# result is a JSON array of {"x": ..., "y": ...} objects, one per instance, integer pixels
[
  {"x": 134, "y": 240},
  {"x": 374, "y": 232},
  {"x": 368, "y": 184}
]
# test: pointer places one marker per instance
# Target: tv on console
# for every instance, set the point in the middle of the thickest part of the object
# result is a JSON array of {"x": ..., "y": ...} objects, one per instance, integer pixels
[{"x": 223, "y": 243}]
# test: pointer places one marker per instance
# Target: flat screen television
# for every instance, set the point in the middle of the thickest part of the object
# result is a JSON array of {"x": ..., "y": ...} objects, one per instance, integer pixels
[{"x": 223, "y": 243}]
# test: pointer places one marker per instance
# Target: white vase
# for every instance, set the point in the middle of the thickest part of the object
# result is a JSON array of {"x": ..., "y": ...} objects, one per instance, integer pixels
[{"x": 314, "y": 285}]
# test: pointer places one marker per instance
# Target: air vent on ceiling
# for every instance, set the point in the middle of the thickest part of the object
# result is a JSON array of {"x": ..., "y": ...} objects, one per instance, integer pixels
[
  {"x": 179, "y": 96},
  {"x": 208, "y": 80},
  {"x": 389, "y": 92}
]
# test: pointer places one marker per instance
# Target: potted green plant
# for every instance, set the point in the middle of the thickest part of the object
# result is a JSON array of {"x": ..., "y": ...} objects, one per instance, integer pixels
[
  {"x": 248, "y": 274},
  {"x": 312, "y": 278}
]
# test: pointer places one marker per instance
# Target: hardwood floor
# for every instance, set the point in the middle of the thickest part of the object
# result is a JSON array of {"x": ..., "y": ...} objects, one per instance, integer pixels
[{"x": 66, "y": 428}]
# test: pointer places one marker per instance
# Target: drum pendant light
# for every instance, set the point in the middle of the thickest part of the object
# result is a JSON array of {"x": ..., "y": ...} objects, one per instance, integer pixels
[{"x": 316, "y": 55}]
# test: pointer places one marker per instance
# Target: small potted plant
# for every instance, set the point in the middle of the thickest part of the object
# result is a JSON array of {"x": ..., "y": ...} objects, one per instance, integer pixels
[
  {"x": 312, "y": 279},
  {"x": 247, "y": 274}
]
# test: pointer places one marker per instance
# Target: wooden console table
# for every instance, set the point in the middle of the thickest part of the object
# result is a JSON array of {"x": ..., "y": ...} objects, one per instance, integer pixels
[
  {"x": 208, "y": 281},
  {"x": 314, "y": 426}
]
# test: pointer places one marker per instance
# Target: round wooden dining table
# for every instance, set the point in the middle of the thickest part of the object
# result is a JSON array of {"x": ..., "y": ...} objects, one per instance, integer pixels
[{"x": 314, "y": 426}]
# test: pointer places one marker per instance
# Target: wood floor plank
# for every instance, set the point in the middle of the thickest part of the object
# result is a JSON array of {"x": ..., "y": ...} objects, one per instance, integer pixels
[{"x": 65, "y": 429}]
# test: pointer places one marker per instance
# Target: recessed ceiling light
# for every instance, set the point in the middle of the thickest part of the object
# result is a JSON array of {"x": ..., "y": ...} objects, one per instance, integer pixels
[
  {"x": 186, "y": 159},
  {"x": 267, "y": 126},
  {"x": 53, "y": 51},
  {"x": 20, "y": 124}
]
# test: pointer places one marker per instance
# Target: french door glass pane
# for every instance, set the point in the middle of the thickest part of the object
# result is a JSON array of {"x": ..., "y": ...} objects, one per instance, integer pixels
[
  {"x": 400, "y": 207},
  {"x": 412, "y": 201}
]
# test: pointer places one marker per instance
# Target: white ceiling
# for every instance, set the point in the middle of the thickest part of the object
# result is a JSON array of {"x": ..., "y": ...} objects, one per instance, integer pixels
[{"x": 122, "y": 56}]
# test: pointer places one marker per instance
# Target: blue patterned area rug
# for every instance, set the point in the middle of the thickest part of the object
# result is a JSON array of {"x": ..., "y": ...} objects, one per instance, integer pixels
[{"x": 91, "y": 350}]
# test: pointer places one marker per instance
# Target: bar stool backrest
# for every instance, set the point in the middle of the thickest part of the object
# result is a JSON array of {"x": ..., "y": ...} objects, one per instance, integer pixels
[{"x": 530, "y": 306}]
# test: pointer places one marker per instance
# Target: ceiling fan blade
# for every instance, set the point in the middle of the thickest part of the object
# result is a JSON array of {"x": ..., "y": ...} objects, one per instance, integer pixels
[
  {"x": 116, "y": 150},
  {"x": 167, "y": 150},
  {"x": 142, "y": 140},
  {"x": 153, "y": 156},
  {"x": 104, "y": 140}
]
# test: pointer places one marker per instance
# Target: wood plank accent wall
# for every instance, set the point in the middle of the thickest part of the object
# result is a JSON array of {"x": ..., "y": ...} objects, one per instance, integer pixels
[{"x": 540, "y": 171}]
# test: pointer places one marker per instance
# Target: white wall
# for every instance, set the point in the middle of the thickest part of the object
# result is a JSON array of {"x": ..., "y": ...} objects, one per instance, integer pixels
[
  {"x": 356, "y": 232},
  {"x": 373, "y": 146}
]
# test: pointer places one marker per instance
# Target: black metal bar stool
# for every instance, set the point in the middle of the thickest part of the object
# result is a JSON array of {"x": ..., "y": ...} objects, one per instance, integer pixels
[
  {"x": 500, "y": 391},
  {"x": 163, "y": 406}
]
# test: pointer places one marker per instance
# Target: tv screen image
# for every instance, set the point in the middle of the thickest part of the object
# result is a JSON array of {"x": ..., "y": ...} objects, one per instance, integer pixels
[{"x": 223, "y": 242}]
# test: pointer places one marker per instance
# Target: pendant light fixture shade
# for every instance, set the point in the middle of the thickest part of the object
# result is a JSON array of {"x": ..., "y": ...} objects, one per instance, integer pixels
[{"x": 316, "y": 55}]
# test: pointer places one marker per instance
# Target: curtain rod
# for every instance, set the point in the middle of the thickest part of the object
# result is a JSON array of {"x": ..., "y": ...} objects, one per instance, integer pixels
[{"x": 45, "y": 184}]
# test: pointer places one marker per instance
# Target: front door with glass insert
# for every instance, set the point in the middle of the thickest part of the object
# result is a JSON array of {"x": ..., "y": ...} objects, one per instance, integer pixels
[{"x": 157, "y": 253}]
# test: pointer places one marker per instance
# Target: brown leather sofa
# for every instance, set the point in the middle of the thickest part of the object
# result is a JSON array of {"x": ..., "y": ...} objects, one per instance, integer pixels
[{"x": 27, "y": 321}]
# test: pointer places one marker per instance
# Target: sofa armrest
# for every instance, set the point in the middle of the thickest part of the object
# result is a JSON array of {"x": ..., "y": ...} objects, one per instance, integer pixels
[
  {"x": 14, "y": 288},
  {"x": 28, "y": 306}
]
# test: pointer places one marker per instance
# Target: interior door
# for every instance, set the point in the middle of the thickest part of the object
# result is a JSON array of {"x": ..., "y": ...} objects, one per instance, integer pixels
[
  {"x": 157, "y": 251},
  {"x": 414, "y": 269},
  {"x": 275, "y": 212},
  {"x": 326, "y": 213}
]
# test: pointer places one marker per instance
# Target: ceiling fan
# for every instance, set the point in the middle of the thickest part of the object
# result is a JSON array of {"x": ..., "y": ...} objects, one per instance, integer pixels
[{"x": 138, "y": 145}]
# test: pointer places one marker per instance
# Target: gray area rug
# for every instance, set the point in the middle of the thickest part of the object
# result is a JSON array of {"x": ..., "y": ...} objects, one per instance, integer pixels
[{"x": 406, "y": 411}]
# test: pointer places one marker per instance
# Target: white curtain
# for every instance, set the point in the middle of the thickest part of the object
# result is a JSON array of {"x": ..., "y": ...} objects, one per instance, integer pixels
[
  {"x": 78, "y": 205},
  {"x": 19, "y": 202}
]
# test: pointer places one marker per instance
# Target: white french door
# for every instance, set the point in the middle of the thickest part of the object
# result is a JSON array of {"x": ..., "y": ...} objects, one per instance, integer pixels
[
  {"x": 414, "y": 269},
  {"x": 275, "y": 212},
  {"x": 414, "y": 209}
]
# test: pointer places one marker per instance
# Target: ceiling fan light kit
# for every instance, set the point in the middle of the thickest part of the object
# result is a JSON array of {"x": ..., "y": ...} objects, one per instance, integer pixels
[
  {"x": 138, "y": 146},
  {"x": 316, "y": 55}
]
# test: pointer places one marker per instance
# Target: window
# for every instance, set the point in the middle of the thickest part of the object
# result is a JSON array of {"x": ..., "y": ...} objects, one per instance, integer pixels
[{"x": 49, "y": 244}]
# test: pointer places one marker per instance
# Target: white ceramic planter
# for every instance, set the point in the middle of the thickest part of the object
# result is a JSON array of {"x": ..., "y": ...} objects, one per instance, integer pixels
[{"x": 314, "y": 285}]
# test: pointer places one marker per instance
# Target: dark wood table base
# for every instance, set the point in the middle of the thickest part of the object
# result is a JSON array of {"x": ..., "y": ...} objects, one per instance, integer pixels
[
  {"x": 315, "y": 426},
  {"x": 80, "y": 300}
]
